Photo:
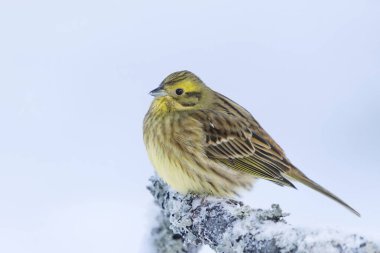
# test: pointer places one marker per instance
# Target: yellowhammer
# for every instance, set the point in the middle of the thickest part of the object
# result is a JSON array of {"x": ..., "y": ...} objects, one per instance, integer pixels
[{"x": 199, "y": 141}]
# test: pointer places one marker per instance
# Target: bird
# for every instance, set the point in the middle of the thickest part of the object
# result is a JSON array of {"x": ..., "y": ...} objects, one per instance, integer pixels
[{"x": 201, "y": 142}]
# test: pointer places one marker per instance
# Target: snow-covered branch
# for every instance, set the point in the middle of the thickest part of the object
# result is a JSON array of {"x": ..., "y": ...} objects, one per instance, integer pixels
[{"x": 228, "y": 226}]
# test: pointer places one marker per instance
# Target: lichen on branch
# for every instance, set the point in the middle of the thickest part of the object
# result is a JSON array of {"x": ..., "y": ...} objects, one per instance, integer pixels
[{"x": 229, "y": 226}]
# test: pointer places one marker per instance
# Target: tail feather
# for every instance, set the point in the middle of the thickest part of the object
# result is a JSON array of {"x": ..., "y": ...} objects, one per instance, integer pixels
[{"x": 299, "y": 176}]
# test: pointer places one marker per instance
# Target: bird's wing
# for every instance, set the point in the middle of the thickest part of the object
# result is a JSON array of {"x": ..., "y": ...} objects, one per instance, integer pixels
[{"x": 233, "y": 141}]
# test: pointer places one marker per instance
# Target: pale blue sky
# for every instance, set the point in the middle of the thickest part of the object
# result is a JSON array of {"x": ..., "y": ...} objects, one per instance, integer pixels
[{"x": 74, "y": 83}]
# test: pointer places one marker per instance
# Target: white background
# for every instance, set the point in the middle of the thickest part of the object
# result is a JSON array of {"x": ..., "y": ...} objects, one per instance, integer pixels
[{"x": 74, "y": 83}]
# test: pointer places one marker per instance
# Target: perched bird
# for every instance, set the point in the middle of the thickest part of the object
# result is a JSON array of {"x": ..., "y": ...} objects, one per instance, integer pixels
[{"x": 200, "y": 141}]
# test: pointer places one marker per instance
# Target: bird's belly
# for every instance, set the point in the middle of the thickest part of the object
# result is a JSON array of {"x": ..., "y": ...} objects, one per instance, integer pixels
[
  {"x": 186, "y": 176},
  {"x": 171, "y": 170}
]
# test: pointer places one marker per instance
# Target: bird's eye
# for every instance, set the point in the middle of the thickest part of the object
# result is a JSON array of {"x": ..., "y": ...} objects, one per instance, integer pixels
[{"x": 179, "y": 92}]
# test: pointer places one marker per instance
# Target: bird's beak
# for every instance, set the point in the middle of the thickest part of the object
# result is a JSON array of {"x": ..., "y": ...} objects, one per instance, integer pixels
[{"x": 158, "y": 92}]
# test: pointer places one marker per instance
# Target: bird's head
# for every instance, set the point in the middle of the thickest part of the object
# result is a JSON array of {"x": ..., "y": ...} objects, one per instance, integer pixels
[{"x": 180, "y": 91}]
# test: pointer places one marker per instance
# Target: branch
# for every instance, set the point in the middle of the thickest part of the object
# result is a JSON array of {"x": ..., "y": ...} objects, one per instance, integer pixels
[
  {"x": 165, "y": 241},
  {"x": 230, "y": 226}
]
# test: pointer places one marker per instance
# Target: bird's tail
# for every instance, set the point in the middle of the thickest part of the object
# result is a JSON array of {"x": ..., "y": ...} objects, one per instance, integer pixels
[{"x": 299, "y": 176}]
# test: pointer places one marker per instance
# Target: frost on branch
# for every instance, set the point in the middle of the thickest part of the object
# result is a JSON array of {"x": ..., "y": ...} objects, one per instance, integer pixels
[{"x": 227, "y": 226}]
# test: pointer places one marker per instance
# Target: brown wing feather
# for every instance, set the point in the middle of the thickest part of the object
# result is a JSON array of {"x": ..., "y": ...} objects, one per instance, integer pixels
[
  {"x": 231, "y": 140},
  {"x": 267, "y": 160}
]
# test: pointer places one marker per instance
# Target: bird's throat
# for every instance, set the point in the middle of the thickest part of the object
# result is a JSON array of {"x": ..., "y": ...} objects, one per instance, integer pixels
[{"x": 161, "y": 106}]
